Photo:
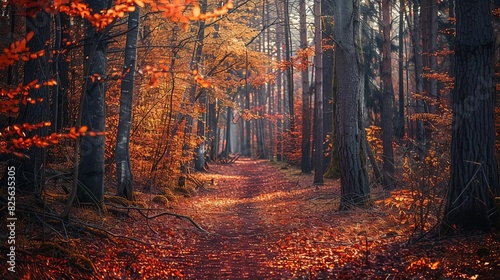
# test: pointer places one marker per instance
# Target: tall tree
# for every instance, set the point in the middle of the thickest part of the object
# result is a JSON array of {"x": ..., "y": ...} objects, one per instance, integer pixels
[
  {"x": 419, "y": 87},
  {"x": 199, "y": 161},
  {"x": 91, "y": 167},
  {"x": 279, "y": 83},
  {"x": 289, "y": 70},
  {"x": 350, "y": 131},
  {"x": 30, "y": 173},
  {"x": 387, "y": 97},
  {"x": 318, "y": 96},
  {"x": 306, "y": 110},
  {"x": 331, "y": 160},
  {"x": 61, "y": 72},
  {"x": 125, "y": 184},
  {"x": 474, "y": 174},
  {"x": 400, "y": 127}
]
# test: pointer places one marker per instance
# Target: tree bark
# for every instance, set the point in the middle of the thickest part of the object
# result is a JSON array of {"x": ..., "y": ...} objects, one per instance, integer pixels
[
  {"x": 289, "y": 70},
  {"x": 125, "y": 186},
  {"x": 91, "y": 167},
  {"x": 474, "y": 175},
  {"x": 350, "y": 132},
  {"x": 318, "y": 96},
  {"x": 30, "y": 173},
  {"x": 330, "y": 160},
  {"x": 400, "y": 128},
  {"x": 305, "y": 163},
  {"x": 279, "y": 84},
  {"x": 387, "y": 98},
  {"x": 418, "y": 132}
]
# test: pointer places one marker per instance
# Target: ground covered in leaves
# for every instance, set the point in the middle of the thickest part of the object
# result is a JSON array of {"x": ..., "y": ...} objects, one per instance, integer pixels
[{"x": 263, "y": 222}]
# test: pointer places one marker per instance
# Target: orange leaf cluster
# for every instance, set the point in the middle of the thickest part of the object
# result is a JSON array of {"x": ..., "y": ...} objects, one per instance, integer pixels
[
  {"x": 175, "y": 10},
  {"x": 200, "y": 80},
  {"x": 8, "y": 101},
  {"x": 11, "y": 144},
  {"x": 155, "y": 72},
  {"x": 18, "y": 51}
]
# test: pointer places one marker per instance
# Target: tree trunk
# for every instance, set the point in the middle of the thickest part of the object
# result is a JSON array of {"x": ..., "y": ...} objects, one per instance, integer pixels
[
  {"x": 400, "y": 128},
  {"x": 289, "y": 70},
  {"x": 328, "y": 88},
  {"x": 61, "y": 71},
  {"x": 227, "y": 147},
  {"x": 212, "y": 129},
  {"x": 199, "y": 151},
  {"x": 474, "y": 175},
  {"x": 387, "y": 97},
  {"x": 125, "y": 186},
  {"x": 350, "y": 132},
  {"x": 91, "y": 167},
  {"x": 279, "y": 83},
  {"x": 419, "y": 88},
  {"x": 318, "y": 96},
  {"x": 306, "y": 111},
  {"x": 30, "y": 174}
]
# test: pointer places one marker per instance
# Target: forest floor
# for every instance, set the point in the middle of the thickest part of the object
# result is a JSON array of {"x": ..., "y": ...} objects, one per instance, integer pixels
[{"x": 266, "y": 221}]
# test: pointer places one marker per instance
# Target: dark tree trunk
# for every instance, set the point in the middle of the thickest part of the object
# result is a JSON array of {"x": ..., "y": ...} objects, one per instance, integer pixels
[
  {"x": 200, "y": 157},
  {"x": 199, "y": 151},
  {"x": 387, "y": 98},
  {"x": 474, "y": 175},
  {"x": 227, "y": 147},
  {"x": 289, "y": 70},
  {"x": 350, "y": 132},
  {"x": 212, "y": 129},
  {"x": 30, "y": 174},
  {"x": 331, "y": 159},
  {"x": 125, "y": 186},
  {"x": 279, "y": 83},
  {"x": 419, "y": 88},
  {"x": 91, "y": 167},
  {"x": 400, "y": 127},
  {"x": 61, "y": 71},
  {"x": 318, "y": 97},
  {"x": 305, "y": 163}
]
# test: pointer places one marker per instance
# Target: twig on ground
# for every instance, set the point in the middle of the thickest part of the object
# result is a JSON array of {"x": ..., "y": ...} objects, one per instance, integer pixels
[{"x": 164, "y": 213}]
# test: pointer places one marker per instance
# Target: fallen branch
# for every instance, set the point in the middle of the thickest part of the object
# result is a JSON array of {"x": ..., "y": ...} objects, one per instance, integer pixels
[{"x": 165, "y": 213}]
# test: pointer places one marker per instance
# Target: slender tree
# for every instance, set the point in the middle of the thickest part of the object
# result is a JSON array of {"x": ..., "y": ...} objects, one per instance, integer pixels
[
  {"x": 318, "y": 96},
  {"x": 279, "y": 83},
  {"x": 387, "y": 98},
  {"x": 418, "y": 132},
  {"x": 199, "y": 160},
  {"x": 474, "y": 174},
  {"x": 306, "y": 110},
  {"x": 125, "y": 184},
  {"x": 331, "y": 159},
  {"x": 289, "y": 70},
  {"x": 400, "y": 127}
]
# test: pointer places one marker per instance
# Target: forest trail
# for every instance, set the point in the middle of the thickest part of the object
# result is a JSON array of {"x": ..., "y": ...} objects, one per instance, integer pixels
[{"x": 253, "y": 208}]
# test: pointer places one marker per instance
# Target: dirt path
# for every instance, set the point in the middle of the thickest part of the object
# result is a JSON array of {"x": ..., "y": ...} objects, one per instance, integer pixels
[{"x": 249, "y": 212}]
